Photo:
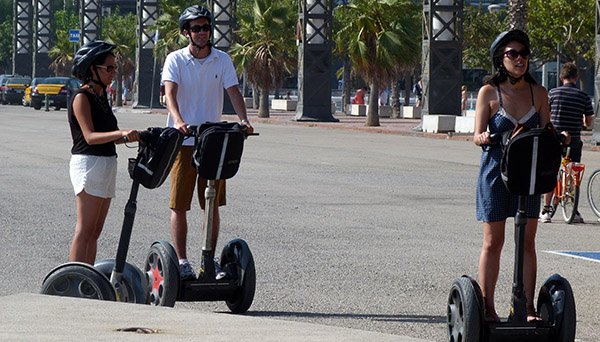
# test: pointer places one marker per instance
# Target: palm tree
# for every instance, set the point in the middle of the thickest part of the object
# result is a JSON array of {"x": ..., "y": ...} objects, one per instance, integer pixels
[
  {"x": 121, "y": 31},
  {"x": 267, "y": 49},
  {"x": 63, "y": 51},
  {"x": 517, "y": 14},
  {"x": 167, "y": 26},
  {"x": 381, "y": 41}
]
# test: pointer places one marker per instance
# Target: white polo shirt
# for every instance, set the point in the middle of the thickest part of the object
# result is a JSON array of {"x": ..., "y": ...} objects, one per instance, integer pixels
[{"x": 200, "y": 84}]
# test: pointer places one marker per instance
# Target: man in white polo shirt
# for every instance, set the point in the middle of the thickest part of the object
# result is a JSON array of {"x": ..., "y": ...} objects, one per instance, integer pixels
[{"x": 194, "y": 79}]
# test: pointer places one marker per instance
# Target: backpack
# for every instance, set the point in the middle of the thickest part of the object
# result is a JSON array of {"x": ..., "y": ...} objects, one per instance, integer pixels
[
  {"x": 530, "y": 160},
  {"x": 218, "y": 149},
  {"x": 157, "y": 150}
]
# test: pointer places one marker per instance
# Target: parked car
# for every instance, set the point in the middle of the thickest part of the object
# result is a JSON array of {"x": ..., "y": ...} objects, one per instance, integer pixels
[
  {"x": 13, "y": 89},
  {"x": 3, "y": 79},
  {"x": 28, "y": 90},
  {"x": 57, "y": 89}
]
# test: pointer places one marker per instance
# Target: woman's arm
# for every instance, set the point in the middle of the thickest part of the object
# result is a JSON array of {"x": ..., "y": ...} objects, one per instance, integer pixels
[
  {"x": 483, "y": 112},
  {"x": 83, "y": 114}
]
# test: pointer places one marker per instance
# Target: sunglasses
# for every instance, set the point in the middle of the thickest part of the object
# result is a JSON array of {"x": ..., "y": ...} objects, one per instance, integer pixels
[
  {"x": 514, "y": 54},
  {"x": 199, "y": 28},
  {"x": 109, "y": 68}
]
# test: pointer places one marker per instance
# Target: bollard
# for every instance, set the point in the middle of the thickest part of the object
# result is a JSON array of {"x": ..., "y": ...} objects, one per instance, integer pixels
[{"x": 47, "y": 106}]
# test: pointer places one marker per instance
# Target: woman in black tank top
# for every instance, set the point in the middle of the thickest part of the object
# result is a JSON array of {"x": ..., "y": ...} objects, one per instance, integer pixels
[{"x": 95, "y": 132}]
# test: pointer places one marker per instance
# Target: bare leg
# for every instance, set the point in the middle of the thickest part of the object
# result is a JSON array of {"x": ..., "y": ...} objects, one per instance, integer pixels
[
  {"x": 215, "y": 228},
  {"x": 489, "y": 263},
  {"x": 530, "y": 267},
  {"x": 179, "y": 228},
  {"x": 91, "y": 214}
]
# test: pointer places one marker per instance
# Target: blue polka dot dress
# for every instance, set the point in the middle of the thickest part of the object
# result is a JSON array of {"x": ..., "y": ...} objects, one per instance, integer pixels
[{"x": 494, "y": 202}]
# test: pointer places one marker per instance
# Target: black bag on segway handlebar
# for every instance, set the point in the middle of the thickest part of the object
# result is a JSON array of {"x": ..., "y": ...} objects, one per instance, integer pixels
[
  {"x": 157, "y": 150},
  {"x": 218, "y": 149},
  {"x": 530, "y": 160}
]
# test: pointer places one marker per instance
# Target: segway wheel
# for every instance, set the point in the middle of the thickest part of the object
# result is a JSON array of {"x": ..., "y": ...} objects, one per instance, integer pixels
[
  {"x": 465, "y": 311},
  {"x": 242, "y": 298},
  {"x": 556, "y": 304},
  {"x": 162, "y": 275},
  {"x": 78, "y": 280},
  {"x": 133, "y": 280}
]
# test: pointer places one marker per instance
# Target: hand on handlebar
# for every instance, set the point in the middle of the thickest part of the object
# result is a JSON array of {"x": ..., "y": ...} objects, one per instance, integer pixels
[
  {"x": 130, "y": 135},
  {"x": 565, "y": 137}
]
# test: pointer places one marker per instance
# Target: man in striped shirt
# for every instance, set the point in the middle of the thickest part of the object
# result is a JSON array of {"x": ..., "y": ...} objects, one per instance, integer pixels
[{"x": 571, "y": 111}]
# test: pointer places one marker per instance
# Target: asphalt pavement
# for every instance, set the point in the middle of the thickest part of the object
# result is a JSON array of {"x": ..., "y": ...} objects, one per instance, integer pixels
[{"x": 357, "y": 233}]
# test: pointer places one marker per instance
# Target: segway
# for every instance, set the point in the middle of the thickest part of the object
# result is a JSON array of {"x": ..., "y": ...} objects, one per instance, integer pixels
[
  {"x": 555, "y": 303},
  {"x": 115, "y": 279},
  {"x": 218, "y": 150}
]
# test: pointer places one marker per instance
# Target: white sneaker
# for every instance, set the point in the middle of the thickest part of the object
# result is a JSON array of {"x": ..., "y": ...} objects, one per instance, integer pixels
[
  {"x": 545, "y": 217},
  {"x": 186, "y": 272}
]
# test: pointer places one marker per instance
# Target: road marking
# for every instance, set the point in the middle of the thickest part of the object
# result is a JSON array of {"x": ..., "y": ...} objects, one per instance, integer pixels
[{"x": 590, "y": 256}]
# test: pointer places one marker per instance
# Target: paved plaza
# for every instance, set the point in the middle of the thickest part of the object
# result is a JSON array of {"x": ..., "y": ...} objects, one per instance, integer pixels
[{"x": 357, "y": 234}]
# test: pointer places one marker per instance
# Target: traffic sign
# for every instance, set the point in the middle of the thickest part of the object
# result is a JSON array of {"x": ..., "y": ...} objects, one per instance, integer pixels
[{"x": 74, "y": 35}]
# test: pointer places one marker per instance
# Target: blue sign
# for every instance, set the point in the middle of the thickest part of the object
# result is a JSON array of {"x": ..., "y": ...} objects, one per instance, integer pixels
[{"x": 74, "y": 35}]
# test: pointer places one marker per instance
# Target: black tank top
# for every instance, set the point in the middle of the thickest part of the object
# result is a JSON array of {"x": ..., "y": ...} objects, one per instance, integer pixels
[{"x": 104, "y": 121}]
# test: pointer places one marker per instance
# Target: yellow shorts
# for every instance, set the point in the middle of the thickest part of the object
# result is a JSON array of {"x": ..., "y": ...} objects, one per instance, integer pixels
[{"x": 183, "y": 181}]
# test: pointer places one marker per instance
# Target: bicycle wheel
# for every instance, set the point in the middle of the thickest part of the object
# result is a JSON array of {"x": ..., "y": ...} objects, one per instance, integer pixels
[
  {"x": 570, "y": 200},
  {"x": 554, "y": 202},
  {"x": 593, "y": 192}
]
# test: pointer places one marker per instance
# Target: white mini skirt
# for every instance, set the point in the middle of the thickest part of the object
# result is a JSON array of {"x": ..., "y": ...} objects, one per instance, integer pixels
[{"x": 97, "y": 175}]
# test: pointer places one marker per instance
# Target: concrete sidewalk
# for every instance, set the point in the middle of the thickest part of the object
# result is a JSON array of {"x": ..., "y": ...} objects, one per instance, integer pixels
[
  {"x": 34, "y": 317},
  {"x": 355, "y": 123}
]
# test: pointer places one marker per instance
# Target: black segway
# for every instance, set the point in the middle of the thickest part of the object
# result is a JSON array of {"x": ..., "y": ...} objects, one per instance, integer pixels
[
  {"x": 115, "y": 279},
  {"x": 556, "y": 303},
  {"x": 218, "y": 150}
]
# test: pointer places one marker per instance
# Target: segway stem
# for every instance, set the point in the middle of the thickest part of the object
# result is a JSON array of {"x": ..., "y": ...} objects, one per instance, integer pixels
[
  {"x": 116, "y": 277},
  {"x": 519, "y": 302},
  {"x": 207, "y": 252}
]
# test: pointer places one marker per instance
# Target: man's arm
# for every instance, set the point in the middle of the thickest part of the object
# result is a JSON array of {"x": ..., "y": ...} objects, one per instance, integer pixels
[
  {"x": 173, "y": 106},
  {"x": 237, "y": 100}
]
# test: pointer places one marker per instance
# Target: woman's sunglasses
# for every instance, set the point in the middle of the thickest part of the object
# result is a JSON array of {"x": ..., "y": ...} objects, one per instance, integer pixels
[
  {"x": 198, "y": 28},
  {"x": 109, "y": 68},
  {"x": 514, "y": 54}
]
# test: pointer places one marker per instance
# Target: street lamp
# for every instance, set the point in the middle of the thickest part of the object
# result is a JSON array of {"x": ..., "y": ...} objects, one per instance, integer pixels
[{"x": 314, "y": 61}]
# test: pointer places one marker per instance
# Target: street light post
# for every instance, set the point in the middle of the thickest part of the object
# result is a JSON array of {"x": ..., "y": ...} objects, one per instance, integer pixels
[{"x": 314, "y": 62}]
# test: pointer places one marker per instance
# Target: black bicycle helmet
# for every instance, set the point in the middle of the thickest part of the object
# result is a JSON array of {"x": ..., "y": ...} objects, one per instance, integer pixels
[
  {"x": 192, "y": 13},
  {"x": 86, "y": 55},
  {"x": 504, "y": 38}
]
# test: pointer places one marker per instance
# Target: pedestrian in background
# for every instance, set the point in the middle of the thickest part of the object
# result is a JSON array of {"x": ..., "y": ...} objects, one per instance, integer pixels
[{"x": 571, "y": 111}]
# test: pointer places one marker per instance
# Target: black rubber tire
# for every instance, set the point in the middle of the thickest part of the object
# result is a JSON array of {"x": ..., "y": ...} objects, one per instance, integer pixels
[
  {"x": 570, "y": 200},
  {"x": 556, "y": 304},
  {"x": 162, "y": 275},
  {"x": 242, "y": 298},
  {"x": 465, "y": 312},
  {"x": 78, "y": 280},
  {"x": 593, "y": 192},
  {"x": 133, "y": 279}
]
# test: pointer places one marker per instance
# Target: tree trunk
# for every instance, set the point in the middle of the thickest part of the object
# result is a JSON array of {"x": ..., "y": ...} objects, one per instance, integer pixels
[
  {"x": 119, "y": 90},
  {"x": 263, "y": 109},
  {"x": 347, "y": 91},
  {"x": 373, "y": 112},
  {"x": 395, "y": 101},
  {"x": 407, "y": 89},
  {"x": 517, "y": 14},
  {"x": 255, "y": 95}
]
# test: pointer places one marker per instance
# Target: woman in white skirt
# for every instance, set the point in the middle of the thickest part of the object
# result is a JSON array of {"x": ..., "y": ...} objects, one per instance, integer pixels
[{"x": 95, "y": 132}]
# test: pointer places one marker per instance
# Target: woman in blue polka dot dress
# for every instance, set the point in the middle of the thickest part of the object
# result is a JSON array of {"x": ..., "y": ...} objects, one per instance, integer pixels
[{"x": 509, "y": 98}]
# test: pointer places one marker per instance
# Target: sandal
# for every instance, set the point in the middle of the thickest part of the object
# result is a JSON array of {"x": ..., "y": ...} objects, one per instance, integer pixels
[{"x": 491, "y": 316}]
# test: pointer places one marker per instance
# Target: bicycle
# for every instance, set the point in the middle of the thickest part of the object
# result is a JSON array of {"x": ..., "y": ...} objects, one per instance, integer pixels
[
  {"x": 566, "y": 192},
  {"x": 593, "y": 192}
]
